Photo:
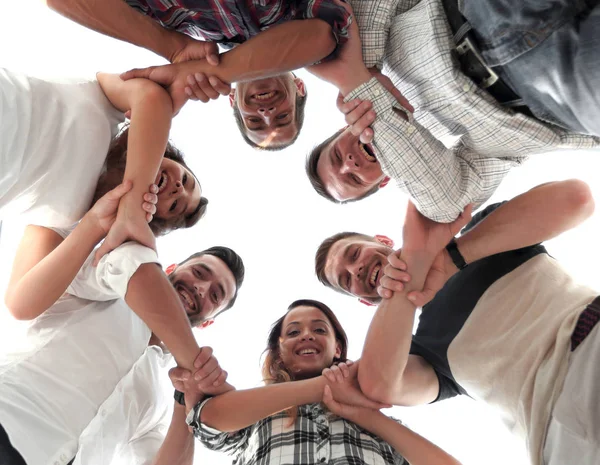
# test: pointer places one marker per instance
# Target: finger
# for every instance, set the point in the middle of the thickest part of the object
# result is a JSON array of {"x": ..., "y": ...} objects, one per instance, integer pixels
[
  {"x": 221, "y": 379},
  {"x": 420, "y": 298},
  {"x": 395, "y": 274},
  {"x": 194, "y": 89},
  {"x": 366, "y": 137},
  {"x": 394, "y": 286},
  {"x": 347, "y": 107},
  {"x": 128, "y": 114},
  {"x": 208, "y": 381},
  {"x": 349, "y": 363},
  {"x": 206, "y": 86},
  {"x": 384, "y": 293},
  {"x": 396, "y": 262},
  {"x": 221, "y": 87},
  {"x": 101, "y": 252},
  {"x": 149, "y": 207},
  {"x": 150, "y": 198},
  {"x": 206, "y": 369},
  {"x": 137, "y": 73},
  {"x": 204, "y": 355},
  {"x": 344, "y": 369},
  {"x": 329, "y": 375},
  {"x": 212, "y": 53},
  {"x": 179, "y": 374},
  {"x": 149, "y": 218},
  {"x": 153, "y": 189},
  {"x": 361, "y": 124},
  {"x": 357, "y": 113},
  {"x": 339, "y": 377}
]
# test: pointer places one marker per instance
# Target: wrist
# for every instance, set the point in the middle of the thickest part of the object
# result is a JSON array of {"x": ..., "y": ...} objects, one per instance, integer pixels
[
  {"x": 91, "y": 227},
  {"x": 418, "y": 262},
  {"x": 349, "y": 81},
  {"x": 172, "y": 44}
]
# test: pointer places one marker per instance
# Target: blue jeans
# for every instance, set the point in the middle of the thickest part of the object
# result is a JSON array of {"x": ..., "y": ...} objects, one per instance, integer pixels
[{"x": 548, "y": 51}]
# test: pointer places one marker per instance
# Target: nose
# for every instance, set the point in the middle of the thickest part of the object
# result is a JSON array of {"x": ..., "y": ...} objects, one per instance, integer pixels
[
  {"x": 350, "y": 164},
  {"x": 356, "y": 269},
  {"x": 201, "y": 287},
  {"x": 307, "y": 335},
  {"x": 266, "y": 111},
  {"x": 177, "y": 188}
]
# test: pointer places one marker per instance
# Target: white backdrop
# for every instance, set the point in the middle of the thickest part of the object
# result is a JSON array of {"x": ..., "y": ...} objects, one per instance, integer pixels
[{"x": 262, "y": 205}]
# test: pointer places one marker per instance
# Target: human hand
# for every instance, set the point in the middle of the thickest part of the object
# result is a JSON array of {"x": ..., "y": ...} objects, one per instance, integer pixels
[
  {"x": 347, "y": 70},
  {"x": 204, "y": 88},
  {"x": 441, "y": 270},
  {"x": 342, "y": 379},
  {"x": 424, "y": 235},
  {"x": 360, "y": 114},
  {"x": 128, "y": 226},
  {"x": 209, "y": 378},
  {"x": 196, "y": 50},
  {"x": 104, "y": 211}
]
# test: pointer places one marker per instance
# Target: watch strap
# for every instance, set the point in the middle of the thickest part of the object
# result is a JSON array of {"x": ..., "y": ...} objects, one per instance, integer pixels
[
  {"x": 455, "y": 255},
  {"x": 179, "y": 397}
]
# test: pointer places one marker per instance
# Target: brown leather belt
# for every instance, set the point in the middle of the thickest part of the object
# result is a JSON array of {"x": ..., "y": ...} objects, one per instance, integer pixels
[{"x": 586, "y": 322}]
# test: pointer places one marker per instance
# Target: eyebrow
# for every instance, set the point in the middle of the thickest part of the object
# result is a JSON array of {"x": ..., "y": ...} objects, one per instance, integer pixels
[{"x": 312, "y": 321}]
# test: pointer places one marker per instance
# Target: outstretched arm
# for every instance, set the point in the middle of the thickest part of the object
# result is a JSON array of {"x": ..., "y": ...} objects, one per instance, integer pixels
[
  {"x": 116, "y": 19},
  {"x": 178, "y": 446},
  {"x": 279, "y": 49},
  {"x": 45, "y": 264},
  {"x": 151, "y": 113},
  {"x": 387, "y": 372}
]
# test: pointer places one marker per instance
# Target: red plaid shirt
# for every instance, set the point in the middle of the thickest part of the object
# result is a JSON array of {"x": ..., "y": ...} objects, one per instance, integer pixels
[{"x": 232, "y": 22}]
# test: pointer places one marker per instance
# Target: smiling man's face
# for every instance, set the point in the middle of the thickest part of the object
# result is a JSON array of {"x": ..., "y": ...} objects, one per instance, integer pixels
[
  {"x": 205, "y": 285},
  {"x": 355, "y": 266},
  {"x": 268, "y": 108},
  {"x": 348, "y": 169}
]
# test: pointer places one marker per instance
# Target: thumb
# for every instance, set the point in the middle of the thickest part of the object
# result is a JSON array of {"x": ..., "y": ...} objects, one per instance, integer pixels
[
  {"x": 420, "y": 298},
  {"x": 137, "y": 73},
  {"x": 101, "y": 252},
  {"x": 179, "y": 374},
  {"x": 212, "y": 53},
  {"x": 120, "y": 190},
  {"x": 328, "y": 399}
]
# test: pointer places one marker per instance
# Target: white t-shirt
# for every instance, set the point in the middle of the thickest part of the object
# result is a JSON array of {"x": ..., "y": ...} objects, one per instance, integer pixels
[
  {"x": 54, "y": 137},
  {"x": 73, "y": 382}
]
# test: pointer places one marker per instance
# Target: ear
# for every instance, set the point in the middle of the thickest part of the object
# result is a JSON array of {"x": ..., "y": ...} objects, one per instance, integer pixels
[
  {"x": 384, "y": 240},
  {"x": 384, "y": 182},
  {"x": 366, "y": 302},
  {"x": 205, "y": 324},
  {"x": 232, "y": 97},
  {"x": 300, "y": 86},
  {"x": 338, "y": 350},
  {"x": 171, "y": 268}
]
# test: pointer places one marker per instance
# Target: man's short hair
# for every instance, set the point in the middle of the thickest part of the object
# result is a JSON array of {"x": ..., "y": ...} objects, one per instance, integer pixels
[
  {"x": 323, "y": 252},
  {"x": 233, "y": 261},
  {"x": 311, "y": 170},
  {"x": 300, "y": 105}
]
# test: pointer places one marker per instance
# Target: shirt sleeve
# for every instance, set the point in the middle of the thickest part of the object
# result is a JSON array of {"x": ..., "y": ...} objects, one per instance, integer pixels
[
  {"x": 441, "y": 181},
  {"x": 374, "y": 19},
  {"x": 333, "y": 14},
  {"x": 480, "y": 216},
  {"x": 110, "y": 278},
  {"x": 216, "y": 440}
]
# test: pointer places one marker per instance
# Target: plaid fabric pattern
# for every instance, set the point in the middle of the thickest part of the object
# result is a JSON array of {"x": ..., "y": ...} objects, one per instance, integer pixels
[
  {"x": 585, "y": 323},
  {"x": 316, "y": 437},
  {"x": 461, "y": 142},
  {"x": 235, "y": 21}
]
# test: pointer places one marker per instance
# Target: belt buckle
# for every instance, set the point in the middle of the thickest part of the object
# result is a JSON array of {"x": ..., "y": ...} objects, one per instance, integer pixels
[{"x": 465, "y": 46}]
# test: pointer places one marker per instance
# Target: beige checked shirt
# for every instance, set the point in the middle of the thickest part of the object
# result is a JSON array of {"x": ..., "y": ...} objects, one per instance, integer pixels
[{"x": 411, "y": 41}]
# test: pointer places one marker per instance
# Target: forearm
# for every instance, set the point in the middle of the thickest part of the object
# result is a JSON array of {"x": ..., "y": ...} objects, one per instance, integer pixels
[
  {"x": 116, "y": 19},
  {"x": 387, "y": 345},
  {"x": 235, "y": 410},
  {"x": 538, "y": 215},
  {"x": 414, "y": 448},
  {"x": 152, "y": 297},
  {"x": 178, "y": 447},
  {"x": 279, "y": 49},
  {"x": 33, "y": 289}
]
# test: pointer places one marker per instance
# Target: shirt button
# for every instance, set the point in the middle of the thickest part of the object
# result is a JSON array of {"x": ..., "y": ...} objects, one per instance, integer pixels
[
  {"x": 466, "y": 87},
  {"x": 376, "y": 92},
  {"x": 410, "y": 129}
]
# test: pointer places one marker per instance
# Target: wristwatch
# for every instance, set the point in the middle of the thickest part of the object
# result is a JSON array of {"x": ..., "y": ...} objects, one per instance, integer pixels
[
  {"x": 455, "y": 255},
  {"x": 179, "y": 397},
  {"x": 192, "y": 417}
]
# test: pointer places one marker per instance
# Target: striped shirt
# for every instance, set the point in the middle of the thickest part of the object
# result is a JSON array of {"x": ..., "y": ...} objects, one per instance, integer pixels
[
  {"x": 232, "y": 22},
  {"x": 316, "y": 437},
  {"x": 461, "y": 142}
]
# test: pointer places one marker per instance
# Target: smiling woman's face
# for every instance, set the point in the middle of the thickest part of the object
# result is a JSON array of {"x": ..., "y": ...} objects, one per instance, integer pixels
[
  {"x": 178, "y": 190},
  {"x": 307, "y": 342}
]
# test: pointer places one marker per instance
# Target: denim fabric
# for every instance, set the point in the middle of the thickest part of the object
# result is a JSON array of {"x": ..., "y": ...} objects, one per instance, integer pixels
[{"x": 548, "y": 52}]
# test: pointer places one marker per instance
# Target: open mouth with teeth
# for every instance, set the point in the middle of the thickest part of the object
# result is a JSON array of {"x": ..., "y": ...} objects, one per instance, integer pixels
[
  {"x": 367, "y": 152},
  {"x": 374, "y": 276},
  {"x": 161, "y": 181},
  {"x": 263, "y": 96},
  {"x": 186, "y": 298},
  {"x": 308, "y": 352}
]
